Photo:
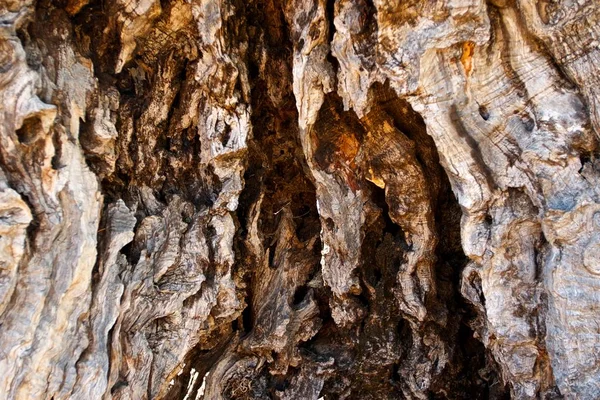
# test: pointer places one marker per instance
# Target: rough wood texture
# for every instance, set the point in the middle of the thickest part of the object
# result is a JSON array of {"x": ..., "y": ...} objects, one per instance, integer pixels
[{"x": 338, "y": 199}]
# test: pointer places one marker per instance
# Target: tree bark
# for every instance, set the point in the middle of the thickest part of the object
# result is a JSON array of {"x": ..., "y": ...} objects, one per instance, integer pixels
[{"x": 337, "y": 199}]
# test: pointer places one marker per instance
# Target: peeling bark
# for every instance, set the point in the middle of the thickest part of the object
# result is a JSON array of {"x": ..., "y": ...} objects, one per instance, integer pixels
[{"x": 336, "y": 199}]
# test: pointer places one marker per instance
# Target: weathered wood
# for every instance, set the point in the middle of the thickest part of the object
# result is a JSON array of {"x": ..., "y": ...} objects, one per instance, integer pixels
[{"x": 229, "y": 199}]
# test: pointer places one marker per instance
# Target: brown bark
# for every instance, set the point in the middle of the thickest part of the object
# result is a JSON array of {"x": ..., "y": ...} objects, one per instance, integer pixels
[{"x": 339, "y": 199}]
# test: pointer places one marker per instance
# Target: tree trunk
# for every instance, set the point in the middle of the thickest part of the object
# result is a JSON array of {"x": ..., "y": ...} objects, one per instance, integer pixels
[{"x": 338, "y": 199}]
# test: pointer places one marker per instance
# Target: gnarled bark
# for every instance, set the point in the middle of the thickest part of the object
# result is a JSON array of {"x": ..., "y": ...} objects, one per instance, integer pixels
[{"x": 228, "y": 199}]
